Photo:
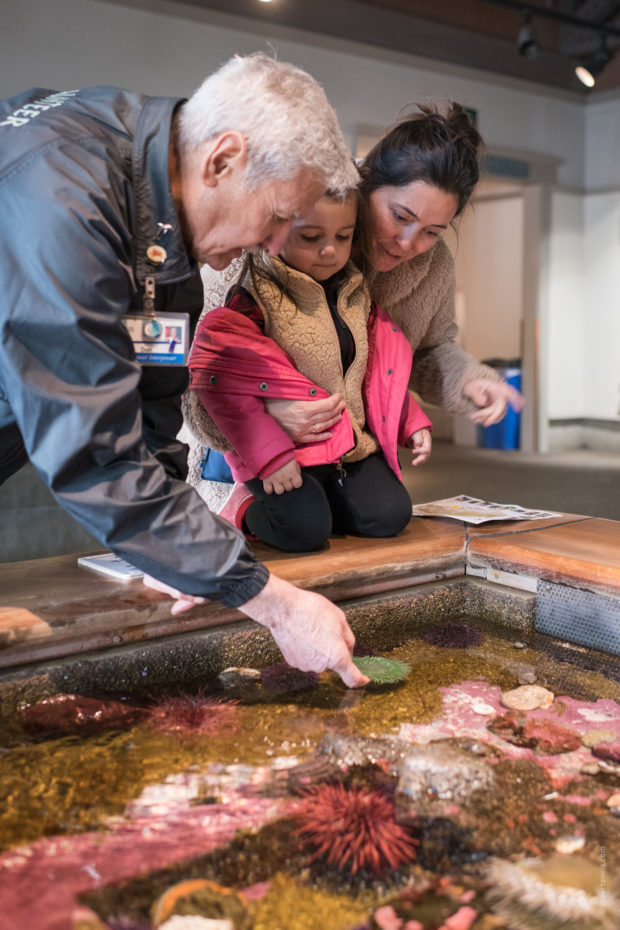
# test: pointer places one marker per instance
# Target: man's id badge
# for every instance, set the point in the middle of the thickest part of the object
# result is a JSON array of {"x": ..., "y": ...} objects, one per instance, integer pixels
[{"x": 162, "y": 339}]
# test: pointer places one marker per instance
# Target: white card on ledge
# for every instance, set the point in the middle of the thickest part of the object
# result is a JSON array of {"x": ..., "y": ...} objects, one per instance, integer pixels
[{"x": 106, "y": 563}]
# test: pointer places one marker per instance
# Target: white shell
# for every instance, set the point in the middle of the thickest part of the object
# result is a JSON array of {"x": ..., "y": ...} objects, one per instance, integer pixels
[{"x": 569, "y": 843}]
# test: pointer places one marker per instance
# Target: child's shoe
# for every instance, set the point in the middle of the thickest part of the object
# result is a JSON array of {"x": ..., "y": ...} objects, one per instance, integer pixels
[{"x": 235, "y": 508}]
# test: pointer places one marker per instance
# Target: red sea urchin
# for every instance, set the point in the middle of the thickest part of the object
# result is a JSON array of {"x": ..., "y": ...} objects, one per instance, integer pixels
[
  {"x": 192, "y": 715},
  {"x": 355, "y": 828}
]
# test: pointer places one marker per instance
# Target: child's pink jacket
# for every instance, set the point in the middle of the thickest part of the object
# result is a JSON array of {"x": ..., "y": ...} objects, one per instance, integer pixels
[{"x": 234, "y": 367}]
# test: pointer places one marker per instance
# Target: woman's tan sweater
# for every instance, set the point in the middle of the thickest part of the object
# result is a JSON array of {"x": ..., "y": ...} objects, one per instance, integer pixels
[{"x": 419, "y": 296}]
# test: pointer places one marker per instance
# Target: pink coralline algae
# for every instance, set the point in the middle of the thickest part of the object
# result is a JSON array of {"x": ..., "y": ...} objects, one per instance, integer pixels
[
  {"x": 461, "y": 920},
  {"x": 192, "y": 715},
  {"x": 62, "y": 868},
  {"x": 354, "y": 828},
  {"x": 469, "y": 705}
]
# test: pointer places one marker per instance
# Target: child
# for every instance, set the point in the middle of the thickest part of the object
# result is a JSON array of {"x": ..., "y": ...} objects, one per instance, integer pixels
[{"x": 302, "y": 327}]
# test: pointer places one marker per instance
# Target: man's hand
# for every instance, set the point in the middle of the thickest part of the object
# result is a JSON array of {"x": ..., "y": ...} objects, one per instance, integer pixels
[
  {"x": 306, "y": 420},
  {"x": 492, "y": 398},
  {"x": 283, "y": 479},
  {"x": 420, "y": 442},
  {"x": 312, "y": 633},
  {"x": 182, "y": 602}
]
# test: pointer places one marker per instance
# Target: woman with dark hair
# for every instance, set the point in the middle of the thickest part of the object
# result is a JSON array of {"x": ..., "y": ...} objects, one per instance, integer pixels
[{"x": 415, "y": 182}]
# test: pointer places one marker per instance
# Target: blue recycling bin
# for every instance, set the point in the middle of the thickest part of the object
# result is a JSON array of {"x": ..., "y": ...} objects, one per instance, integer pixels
[
  {"x": 214, "y": 467},
  {"x": 507, "y": 433}
]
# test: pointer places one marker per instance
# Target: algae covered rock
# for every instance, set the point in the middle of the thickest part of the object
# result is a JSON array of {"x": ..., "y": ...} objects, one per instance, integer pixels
[
  {"x": 527, "y": 697},
  {"x": 441, "y": 771},
  {"x": 543, "y": 736},
  {"x": 75, "y": 713}
]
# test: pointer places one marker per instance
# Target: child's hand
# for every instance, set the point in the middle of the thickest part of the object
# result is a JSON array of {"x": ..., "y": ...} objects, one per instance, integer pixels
[
  {"x": 420, "y": 442},
  {"x": 283, "y": 479}
]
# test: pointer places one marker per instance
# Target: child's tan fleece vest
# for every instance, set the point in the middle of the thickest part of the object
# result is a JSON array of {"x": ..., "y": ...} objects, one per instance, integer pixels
[{"x": 298, "y": 318}]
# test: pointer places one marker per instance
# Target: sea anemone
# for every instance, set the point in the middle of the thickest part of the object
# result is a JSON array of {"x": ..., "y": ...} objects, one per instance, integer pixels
[
  {"x": 454, "y": 635},
  {"x": 192, "y": 715},
  {"x": 355, "y": 828},
  {"x": 558, "y": 893},
  {"x": 283, "y": 677},
  {"x": 382, "y": 671}
]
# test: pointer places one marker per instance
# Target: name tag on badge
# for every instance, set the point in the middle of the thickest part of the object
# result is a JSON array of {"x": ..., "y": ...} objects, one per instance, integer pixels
[{"x": 162, "y": 339}]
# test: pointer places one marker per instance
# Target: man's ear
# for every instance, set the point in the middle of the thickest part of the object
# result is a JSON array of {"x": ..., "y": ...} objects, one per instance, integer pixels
[{"x": 222, "y": 156}]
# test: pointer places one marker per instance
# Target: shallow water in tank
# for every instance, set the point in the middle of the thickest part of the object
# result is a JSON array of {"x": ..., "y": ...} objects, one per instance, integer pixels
[{"x": 276, "y": 799}]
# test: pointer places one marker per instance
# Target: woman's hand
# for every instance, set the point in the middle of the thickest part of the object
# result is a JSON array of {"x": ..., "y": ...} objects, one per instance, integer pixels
[
  {"x": 306, "y": 420},
  {"x": 492, "y": 399},
  {"x": 285, "y": 478},
  {"x": 420, "y": 443}
]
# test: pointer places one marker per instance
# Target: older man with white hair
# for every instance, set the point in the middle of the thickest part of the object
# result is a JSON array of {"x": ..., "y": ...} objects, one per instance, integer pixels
[{"x": 110, "y": 200}]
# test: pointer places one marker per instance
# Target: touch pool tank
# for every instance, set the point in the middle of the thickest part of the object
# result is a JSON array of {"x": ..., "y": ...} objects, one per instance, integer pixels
[{"x": 211, "y": 786}]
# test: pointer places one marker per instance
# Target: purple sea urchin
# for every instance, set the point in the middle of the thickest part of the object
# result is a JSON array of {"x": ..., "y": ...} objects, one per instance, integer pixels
[
  {"x": 354, "y": 828},
  {"x": 363, "y": 649},
  {"x": 453, "y": 635},
  {"x": 283, "y": 677},
  {"x": 192, "y": 715}
]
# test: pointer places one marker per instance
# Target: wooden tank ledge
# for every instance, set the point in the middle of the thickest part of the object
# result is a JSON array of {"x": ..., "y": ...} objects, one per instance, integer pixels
[
  {"x": 50, "y": 608},
  {"x": 582, "y": 552}
]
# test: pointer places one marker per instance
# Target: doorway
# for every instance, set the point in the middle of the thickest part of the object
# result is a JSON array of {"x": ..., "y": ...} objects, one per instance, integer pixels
[{"x": 488, "y": 249}]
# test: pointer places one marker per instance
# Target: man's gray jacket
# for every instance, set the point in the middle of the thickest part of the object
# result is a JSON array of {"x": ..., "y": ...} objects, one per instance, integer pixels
[{"x": 83, "y": 186}]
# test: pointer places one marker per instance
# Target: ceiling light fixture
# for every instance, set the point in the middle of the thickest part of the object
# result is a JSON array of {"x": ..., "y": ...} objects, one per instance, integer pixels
[
  {"x": 527, "y": 43},
  {"x": 595, "y": 64}
]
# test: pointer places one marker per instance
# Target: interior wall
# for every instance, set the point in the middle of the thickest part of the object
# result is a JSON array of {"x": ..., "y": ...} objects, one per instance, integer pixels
[
  {"x": 602, "y": 261},
  {"x": 567, "y": 296},
  {"x": 488, "y": 256},
  {"x": 73, "y": 43},
  {"x": 601, "y": 305}
]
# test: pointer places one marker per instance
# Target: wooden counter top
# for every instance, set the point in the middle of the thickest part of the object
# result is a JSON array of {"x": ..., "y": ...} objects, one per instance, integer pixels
[{"x": 51, "y": 608}]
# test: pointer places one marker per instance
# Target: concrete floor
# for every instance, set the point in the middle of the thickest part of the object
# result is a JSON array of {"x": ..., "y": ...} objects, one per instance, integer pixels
[
  {"x": 579, "y": 481},
  {"x": 33, "y": 526}
]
